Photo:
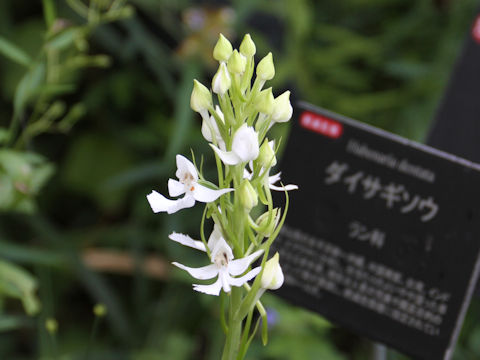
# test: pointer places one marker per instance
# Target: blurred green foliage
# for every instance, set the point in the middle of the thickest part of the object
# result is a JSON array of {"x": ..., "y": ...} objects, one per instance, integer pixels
[{"x": 94, "y": 104}]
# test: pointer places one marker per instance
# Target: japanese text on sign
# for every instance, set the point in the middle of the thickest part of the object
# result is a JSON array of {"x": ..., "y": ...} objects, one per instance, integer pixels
[
  {"x": 317, "y": 265},
  {"x": 395, "y": 195}
]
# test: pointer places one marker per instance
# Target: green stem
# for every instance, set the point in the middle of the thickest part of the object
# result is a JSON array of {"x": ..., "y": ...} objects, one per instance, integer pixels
[{"x": 234, "y": 334}]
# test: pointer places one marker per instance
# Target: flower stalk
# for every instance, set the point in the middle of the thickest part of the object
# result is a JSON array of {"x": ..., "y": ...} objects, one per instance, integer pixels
[{"x": 235, "y": 124}]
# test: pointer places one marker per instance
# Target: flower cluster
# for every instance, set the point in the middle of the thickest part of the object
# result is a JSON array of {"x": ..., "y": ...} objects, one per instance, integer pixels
[{"x": 245, "y": 222}]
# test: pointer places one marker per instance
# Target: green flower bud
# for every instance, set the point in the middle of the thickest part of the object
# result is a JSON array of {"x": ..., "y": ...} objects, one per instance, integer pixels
[
  {"x": 223, "y": 49},
  {"x": 51, "y": 325},
  {"x": 266, "y": 228},
  {"x": 282, "y": 109},
  {"x": 267, "y": 158},
  {"x": 237, "y": 63},
  {"x": 100, "y": 310},
  {"x": 248, "y": 195},
  {"x": 265, "y": 68},
  {"x": 221, "y": 82},
  {"x": 264, "y": 101},
  {"x": 201, "y": 98},
  {"x": 247, "y": 47},
  {"x": 272, "y": 277}
]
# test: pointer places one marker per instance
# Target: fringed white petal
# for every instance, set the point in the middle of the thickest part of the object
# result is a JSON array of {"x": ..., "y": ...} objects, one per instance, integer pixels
[
  {"x": 159, "y": 203},
  {"x": 238, "y": 266},
  {"x": 213, "y": 289},
  {"x": 184, "y": 203},
  {"x": 206, "y": 195},
  {"x": 283, "y": 188},
  {"x": 243, "y": 279},
  {"x": 201, "y": 273},
  {"x": 187, "y": 241}
]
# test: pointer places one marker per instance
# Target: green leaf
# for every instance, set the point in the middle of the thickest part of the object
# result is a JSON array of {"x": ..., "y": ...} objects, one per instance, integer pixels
[
  {"x": 14, "y": 53},
  {"x": 49, "y": 12},
  {"x": 22, "y": 175},
  {"x": 18, "y": 283},
  {"x": 64, "y": 39},
  {"x": 29, "y": 84},
  {"x": 3, "y": 135},
  {"x": 8, "y": 323}
]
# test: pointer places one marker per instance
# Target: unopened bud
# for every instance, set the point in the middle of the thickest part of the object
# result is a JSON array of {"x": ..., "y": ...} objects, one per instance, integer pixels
[
  {"x": 201, "y": 98},
  {"x": 51, "y": 325},
  {"x": 265, "y": 101},
  {"x": 210, "y": 128},
  {"x": 223, "y": 49},
  {"x": 221, "y": 82},
  {"x": 237, "y": 63},
  {"x": 266, "y": 227},
  {"x": 282, "y": 109},
  {"x": 272, "y": 277},
  {"x": 247, "y": 47},
  {"x": 266, "y": 157},
  {"x": 265, "y": 68},
  {"x": 248, "y": 195},
  {"x": 100, "y": 310}
]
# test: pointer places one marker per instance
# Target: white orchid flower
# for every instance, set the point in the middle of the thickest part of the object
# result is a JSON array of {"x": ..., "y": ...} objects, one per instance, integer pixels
[
  {"x": 244, "y": 147},
  {"x": 276, "y": 178},
  {"x": 210, "y": 129},
  {"x": 272, "y": 180},
  {"x": 188, "y": 185},
  {"x": 223, "y": 266}
]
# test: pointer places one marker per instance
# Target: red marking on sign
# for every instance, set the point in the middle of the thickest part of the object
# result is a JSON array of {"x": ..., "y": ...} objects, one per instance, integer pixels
[
  {"x": 321, "y": 124},
  {"x": 476, "y": 29}
]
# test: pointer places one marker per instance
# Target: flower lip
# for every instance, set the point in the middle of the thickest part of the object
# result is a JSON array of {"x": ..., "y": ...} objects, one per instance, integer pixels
[
  {"x": 223, "y": 265},
  {"x": 188, "y": 185}
]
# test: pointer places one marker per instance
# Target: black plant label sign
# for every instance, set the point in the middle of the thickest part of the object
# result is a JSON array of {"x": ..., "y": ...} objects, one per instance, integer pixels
[{"x": 383, "y": 235}]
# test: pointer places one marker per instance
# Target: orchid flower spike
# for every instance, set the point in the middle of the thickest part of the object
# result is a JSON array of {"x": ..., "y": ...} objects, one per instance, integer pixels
[
  {"x": 223, "y": 266},
  {"x": 188, "y": 185},
  {"x": 244, "y": 147}
]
